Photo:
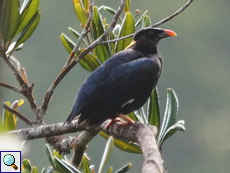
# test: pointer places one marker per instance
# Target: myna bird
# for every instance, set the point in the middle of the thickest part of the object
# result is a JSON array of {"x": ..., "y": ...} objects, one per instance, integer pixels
[{"x": 123, "y": 83}]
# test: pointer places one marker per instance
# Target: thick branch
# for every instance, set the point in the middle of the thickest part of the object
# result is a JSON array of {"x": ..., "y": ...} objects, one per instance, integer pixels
[{"x": 140, "y": 133}]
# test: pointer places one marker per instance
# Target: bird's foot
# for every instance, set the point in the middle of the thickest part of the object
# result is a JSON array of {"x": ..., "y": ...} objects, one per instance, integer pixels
[{"x": 128, "y": 120}]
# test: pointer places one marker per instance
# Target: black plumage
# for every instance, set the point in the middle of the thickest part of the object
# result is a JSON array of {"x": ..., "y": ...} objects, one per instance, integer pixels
[{"x": 123, "y": 83}]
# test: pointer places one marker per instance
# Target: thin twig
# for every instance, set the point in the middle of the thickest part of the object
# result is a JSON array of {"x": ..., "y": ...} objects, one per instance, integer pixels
[
  {"x": 15, "y": 89},
  {"x": 173, "y": 15},
  {"x": 26, "y": 91},
  {"x": 17, "y": 114},
  {"x": 155, "y": 24}
]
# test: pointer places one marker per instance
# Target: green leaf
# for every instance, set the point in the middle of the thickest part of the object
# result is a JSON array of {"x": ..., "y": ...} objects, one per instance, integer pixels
[
  {"x": 171, "y": 130},
  {"x": 107, "y": 153},
  {"x": 80, "y": 14},
  {"x": 109, "y": 170},
  {"x": 133, "y": 116},
  {"x": 27, "y": 166},
  {"x": 146, "y": 22},
  {"x": 49, "y": 155},
  {"x": 154, "y": 109},
  {"x": 102, "y": 51},
  {"x": 86, "y": 5},
  {"x": 60, "y": 166},
  {"x": 109, "y": 9},
  {"x": 28, "y": 10},
  {"x": 89, "y": 62},
  {"x": 8, "y": 119},
  {"x": 85, "y": 164},
  {"x": 170, "y": 113},
  {"x": 127, "y": 6},
  {"x": 34, "y": 170},
  {"x": 67, "y": 43},
  {"x": 141, "y": 18},
  {"x": 76, "y": 34},
  {"x": 122, "y": 145},
  {"x": 71, "y": 167},
  {"x": 9, "y": 20},
  {"x": 125, "y": 169},
  {"x": 127, "y": 28},
  {"x": 50, "y": 170},
  {"x": 28, "y": 30}
]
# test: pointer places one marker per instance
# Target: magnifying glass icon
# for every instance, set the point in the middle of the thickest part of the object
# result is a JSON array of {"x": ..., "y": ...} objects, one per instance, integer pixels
[{"x": 9, "y": 160}]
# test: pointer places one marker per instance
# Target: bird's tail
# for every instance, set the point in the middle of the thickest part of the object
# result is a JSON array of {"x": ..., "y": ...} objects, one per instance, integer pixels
[{"x": 69, "y": 118}]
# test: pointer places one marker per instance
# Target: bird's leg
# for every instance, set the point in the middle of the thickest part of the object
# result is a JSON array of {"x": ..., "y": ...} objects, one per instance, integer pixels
[{"x": 128, "y": 120}]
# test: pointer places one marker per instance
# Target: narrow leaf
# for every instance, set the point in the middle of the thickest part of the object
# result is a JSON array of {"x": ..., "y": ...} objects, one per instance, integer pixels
[
  {"x": 86, "y": 5},
  {"x": 34, "y": 170},
  {"x": 170, "y": 131},
  {"x": 107, "y": 153},
  {"x": 8, "y": 119},
  {"x": 76, "y": 34},
  {"x": 26, "y": 165},
  {"x": 29, "y": 29},
  {"x": 127, "y": 28},
  {"x": 125, "y": 169},
  {"x": 102, "y": 51},
  {"x": 109, "y": 170},
  {"x": 14, "y": 18},
  {"x": 86, "y": 164},
  {"x": 133, "y": 116},
  {"x": 89, "y": 62},
  {"x": 80, "y": 14},
  {"x": 61, "y": 166},
  {"x": 122, "y": 145},
  {"x": 109, "y": 9},
  {"x": 75, "y": 170},
  {"x": 170, "y": 113},
  {"x": 67, "y": 43},
  {"x": 49, "y": 155},
  {"x": 27, "y": 12},
  {"x": 154, "y": 109},
  {"x": 127, "y": 6}
]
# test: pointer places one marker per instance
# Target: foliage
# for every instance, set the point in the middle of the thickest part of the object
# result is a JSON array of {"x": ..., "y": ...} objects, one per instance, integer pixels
[{"x": 19, "y": 24}]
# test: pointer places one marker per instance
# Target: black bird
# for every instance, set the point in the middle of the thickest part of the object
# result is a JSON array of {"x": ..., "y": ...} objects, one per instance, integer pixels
[{"x": 123, "y": 83}]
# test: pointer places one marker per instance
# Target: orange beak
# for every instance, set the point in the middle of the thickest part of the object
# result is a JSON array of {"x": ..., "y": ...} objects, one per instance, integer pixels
[{"x": 170, "y": 33}]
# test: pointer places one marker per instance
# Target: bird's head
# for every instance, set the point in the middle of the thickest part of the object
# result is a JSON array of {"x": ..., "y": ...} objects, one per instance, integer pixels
[{"x": 145, "y": 40}]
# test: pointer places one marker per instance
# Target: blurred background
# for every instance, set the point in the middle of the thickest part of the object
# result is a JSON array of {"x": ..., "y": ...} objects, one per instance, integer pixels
[{"x": 196, "y": 66}]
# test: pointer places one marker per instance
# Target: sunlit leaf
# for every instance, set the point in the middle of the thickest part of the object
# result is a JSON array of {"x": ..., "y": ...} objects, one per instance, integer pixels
[
  {"x": 26, "y": 165},
  {"x": 133, "y": 116},
  {"x": 80, "y": 14},
  {"x": 75, "y": 2},
  {"x": 85, "y": 164},
  {"x": 34, "y": 170},
  {"x": 71, "y": 167},
  {"x": 127, "y": 6},
  {"x": 109, "y": 170},
  {"x": 107, "y": 153},
  {"x": 102, "y": 51},
  {"x": 122, "y": 145},
  {"x": 146, "y": 22},
  {"x": 27, "y": 12},
  {"x": 86, "y": 5},
  {"x": 89, "y": 62},
  {"x": 8, "y": 119},
  {"x": 154, "y": 109},
  {"x": 67, "y": 43},
  {"x": 127, "y": 28}
]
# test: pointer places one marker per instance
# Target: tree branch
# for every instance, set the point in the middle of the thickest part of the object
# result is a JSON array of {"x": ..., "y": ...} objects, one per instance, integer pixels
[
  {"x": 15, "y": 89},
  {"x": 140, "y": 133},
  {"x": 17, "y": 114},
  {"x": 180, "y": 10}
]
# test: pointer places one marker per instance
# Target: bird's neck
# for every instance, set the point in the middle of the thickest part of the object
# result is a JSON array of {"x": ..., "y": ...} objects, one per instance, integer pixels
[{"x": 147, "y": 50}]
